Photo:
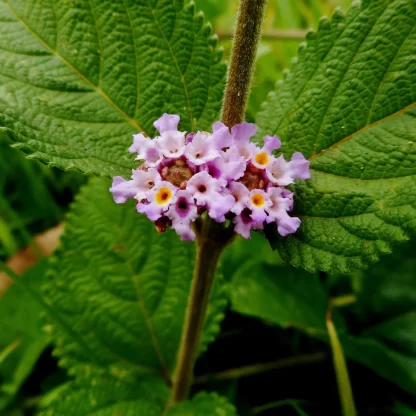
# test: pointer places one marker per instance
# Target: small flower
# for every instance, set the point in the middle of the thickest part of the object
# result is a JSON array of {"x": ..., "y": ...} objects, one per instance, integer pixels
[
  {"x": 145, "y": 180},
  {"x": 242, "y": 134},
  {"x": 241, "y": 196},
  {"x": 182, "y": 213},
  {"x": 204, "y": 187},
  {"x": 229, "y": 166},
  {"x": 244, "y": 223},
  {"x": 282, "y": 202},
  {"x": 202, "y": 149},
  {"x": 263, "y": 157},
  {"x": 146, "y": 150},
  {"x": 258, "y": 203},
  {"x": 171, "y": 142},
  {"x": 122, "y": 190},
  {"x": 221, "y": 135},
  {"x": 158, "y": 200}
]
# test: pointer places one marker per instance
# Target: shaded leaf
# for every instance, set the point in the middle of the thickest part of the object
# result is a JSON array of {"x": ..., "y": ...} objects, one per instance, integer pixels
[
  {"x": 349, "y": 106},
  {"x": 285, "y": 297},
  {"x": 75, "y": 88}
]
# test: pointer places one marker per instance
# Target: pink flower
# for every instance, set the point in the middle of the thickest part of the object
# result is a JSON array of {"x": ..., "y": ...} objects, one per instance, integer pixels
[
  {"x": 281, "y": 204},
  {"x": 171, "y": 142},
  {"x": 146, "y": 149},
  {"x": 159, "y": 200},
  {"x": 202, "y": 149},
  {"x": 182, "y": 213}
]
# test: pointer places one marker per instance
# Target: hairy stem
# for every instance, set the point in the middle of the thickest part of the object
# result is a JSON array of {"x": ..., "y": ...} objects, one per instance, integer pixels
[
  {"x": 243, "y": 56},
  {"x": 210, "y": 243}
]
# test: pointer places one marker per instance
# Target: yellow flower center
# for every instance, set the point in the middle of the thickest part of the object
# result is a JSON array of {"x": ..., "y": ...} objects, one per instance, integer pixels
[
  {"x": 262, "y": 159},
  {"x": 163, "y": 196},
  {"x": 257, "y": 200}
]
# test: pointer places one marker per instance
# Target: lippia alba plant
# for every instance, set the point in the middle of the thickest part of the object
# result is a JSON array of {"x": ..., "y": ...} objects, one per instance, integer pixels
[{"x": 136, "y": 91}]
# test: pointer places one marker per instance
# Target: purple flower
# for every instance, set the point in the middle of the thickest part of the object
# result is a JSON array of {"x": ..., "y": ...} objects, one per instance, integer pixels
[
  {"x": 229, "y": 165},
  {"x": 137, "y": 187},
  {"x": 204, "y": 187},
  {"x": 221, "y": 205},
  {"x": 258, "y": 203},
  {"x": 263, "y": 157},
  {"x": 299, "y": 166},
  {"x": 171, "y": 142},
  {"x": 158, "y": 200},
  {"x": 182, "y": 213},
  {"x": 244, "y": 223},
  {"x": 281, "y": 203},
  {"x": 146, "y": 149},
  {"x": 221, "y": 135},
  {"x": 279, "y": 172},
  {"x": 241, "y": 196},
  {"x": 242, "y": 134},
  {"x": 122, "y": 190},
  {"x": 166, "y": 123},
  {"x": 202, "y": 149}
]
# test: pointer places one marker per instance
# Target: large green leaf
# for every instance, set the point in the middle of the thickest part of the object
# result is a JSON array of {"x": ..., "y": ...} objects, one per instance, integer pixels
[
  {"x": 21, "y": 331},
  {"x": 104, "y": 396},
  {"x": 349, "y": 106},
  {"x": 121, "y": 289},
  {"x": 78, "y": 78},
  {"x": 386, "y": 338}
]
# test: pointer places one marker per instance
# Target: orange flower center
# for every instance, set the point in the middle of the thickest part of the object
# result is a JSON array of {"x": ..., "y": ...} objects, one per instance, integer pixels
[
  {"x": 163, "y": 196},
  {"x": 262, "y": 159}
]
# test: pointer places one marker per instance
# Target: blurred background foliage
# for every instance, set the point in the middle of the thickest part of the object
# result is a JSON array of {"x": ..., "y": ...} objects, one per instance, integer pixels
[{"x": 278, "y": 319}]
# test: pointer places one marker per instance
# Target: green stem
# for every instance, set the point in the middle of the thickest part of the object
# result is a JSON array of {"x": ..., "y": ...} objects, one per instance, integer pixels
[
  {"x": 341, "y": 370},
  {"x": 243, "y": 57},
  {"x": 210, "y": 243},
  {"x": 250, "y": 370}
]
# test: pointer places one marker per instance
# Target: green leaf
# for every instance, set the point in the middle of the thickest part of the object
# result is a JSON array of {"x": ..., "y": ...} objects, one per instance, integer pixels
[
  {"x": 100, "y": 395},
  {"x": 77, "y": 79},
  {"x": 20, "y": 330},
  {"x": 204, "y": 404},
  {"x": 121, "y": 290},
  {"x": 285, "y": 297},
  {"x": 349, "y": 106},
  {"x": 104, "y": 396}
]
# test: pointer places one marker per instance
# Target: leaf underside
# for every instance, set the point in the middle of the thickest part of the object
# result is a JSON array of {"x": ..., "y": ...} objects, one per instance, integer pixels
[
  {"x": 78, "y": 78},
  {"x": 349, "y": 106},
  {"x": 121, "y": 290}
]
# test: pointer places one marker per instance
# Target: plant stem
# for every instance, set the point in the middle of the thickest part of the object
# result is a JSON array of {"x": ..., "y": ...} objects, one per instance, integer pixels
[
  {"x": 273, "y": 34},
  {"x": 250, "y": 370},
  {"x": 210, "y": 243},
  {"x": 243, "y": 56},
  {"x": 341, "y": 370}
]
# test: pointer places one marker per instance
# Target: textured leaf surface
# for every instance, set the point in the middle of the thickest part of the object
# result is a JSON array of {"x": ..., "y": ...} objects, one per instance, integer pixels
[
  {"x": 349, "y": 106},
  {"x": 204, "y": 404},
  {"x": 78, "y": 78},
  {"x": 386, "y": 342},
  {"x": 20, "y": 325},
  {"x": 121, "y": 289},
  {"x": 104, "y": 396}
]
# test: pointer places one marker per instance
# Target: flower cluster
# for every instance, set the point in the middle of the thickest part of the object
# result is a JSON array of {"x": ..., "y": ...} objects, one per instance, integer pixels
[{"x": 223, "y": 174}]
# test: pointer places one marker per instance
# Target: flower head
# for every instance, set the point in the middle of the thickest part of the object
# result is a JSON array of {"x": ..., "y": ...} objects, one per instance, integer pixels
[{"x": 223, "y": 175}]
